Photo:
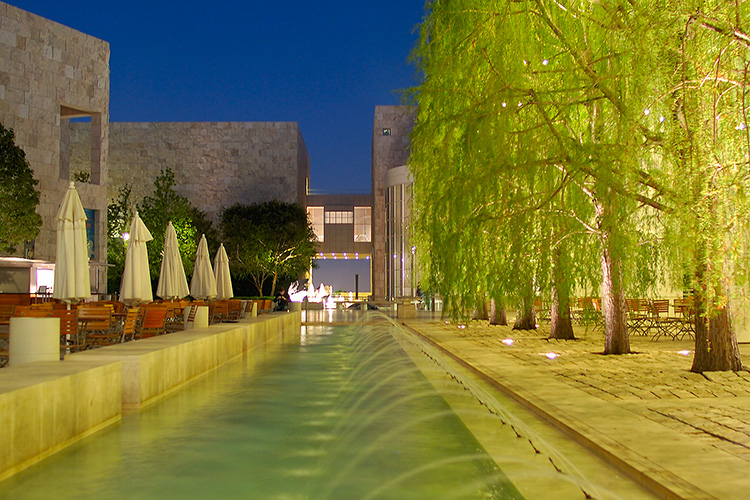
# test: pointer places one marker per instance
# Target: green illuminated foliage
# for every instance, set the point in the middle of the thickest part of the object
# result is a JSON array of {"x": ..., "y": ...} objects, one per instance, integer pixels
[
  {"x": 606, "y": 140},
  {"x": 268, "y": 240},
  {"x": 18, "y": 195}
]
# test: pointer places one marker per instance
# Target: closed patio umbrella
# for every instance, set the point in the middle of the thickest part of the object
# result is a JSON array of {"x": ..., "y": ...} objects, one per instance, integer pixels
[
  {"x": 136, "y": 279},
  {"x": 203, "y": 282},
  {"x": 72, "y": 281},
  {"x": 223, "y": 278},
  {"x": 172, "y": 280}
]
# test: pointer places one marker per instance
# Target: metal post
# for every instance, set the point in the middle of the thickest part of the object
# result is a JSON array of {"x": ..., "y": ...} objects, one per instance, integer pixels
[{"x": 356, "y": 287}]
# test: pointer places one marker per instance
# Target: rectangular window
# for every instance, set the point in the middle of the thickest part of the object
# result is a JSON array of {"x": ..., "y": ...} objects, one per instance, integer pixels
[
  {"x": 339, "y": 217},
  {"x": 363, "y": 224},
  {"x": 315, "y": 214}
]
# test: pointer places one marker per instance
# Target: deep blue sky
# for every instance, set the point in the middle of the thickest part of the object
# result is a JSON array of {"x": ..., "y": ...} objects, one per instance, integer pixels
[{"x": 324, "y": 65}]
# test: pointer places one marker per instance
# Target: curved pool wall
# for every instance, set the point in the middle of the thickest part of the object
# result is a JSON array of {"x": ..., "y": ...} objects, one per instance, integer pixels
[{"x": 47, "y": 406}]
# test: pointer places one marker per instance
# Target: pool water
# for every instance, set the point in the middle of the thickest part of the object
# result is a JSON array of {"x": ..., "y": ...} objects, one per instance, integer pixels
[{"x": 344, "y": 414}]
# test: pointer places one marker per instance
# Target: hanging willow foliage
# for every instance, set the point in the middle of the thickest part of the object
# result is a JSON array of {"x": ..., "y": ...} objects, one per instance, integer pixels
[{"x": 605, "y": 138}]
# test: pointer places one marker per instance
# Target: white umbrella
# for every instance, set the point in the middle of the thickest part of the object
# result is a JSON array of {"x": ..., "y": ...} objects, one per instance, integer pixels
[
  {"x": 72, "y": 281},
  {"x": 223, "y": 278},
  {"x": 136, "y": 280},
  {"x": 172, "y": 280},
  {"x": 203, "y": 282}
]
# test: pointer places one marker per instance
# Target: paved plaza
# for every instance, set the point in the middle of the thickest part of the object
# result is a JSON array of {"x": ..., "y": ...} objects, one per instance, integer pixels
[{"x": 680, "y": 434}]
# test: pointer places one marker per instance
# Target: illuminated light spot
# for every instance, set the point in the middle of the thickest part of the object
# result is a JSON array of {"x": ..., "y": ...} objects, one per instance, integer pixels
[
  {"x": 545, "y": 62},
  {"x": 507, "y": 341},
  {"x": 126, "y": 236},
  {"x": 646, "y": 111},
  {"x": 661, "y": 119},
  {"x": 525, "y": 62},
  {"x": 462, "y": 327},
  {"x": 447, "y": 322},
  {"x": 550, "y": 355},
  {"x": 520, "y": 104},
  {"x": 684, "y": 353},
  {"x": 505, "y": 104},
  {"x": 741, "y": 126}
]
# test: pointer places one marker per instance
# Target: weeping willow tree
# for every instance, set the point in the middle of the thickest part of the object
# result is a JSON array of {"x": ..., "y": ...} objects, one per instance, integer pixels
[
  {"x": 706, "y": 104},
  {"x": 539, "y": 98},
  {"x": 580, "y": 135}
]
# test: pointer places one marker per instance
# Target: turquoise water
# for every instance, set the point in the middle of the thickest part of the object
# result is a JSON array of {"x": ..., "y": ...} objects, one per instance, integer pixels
[{"x": 343, "y": 415}]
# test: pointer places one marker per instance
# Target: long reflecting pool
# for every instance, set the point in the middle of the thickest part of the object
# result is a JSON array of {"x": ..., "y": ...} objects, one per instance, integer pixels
[{"x": 343, "y": 414}]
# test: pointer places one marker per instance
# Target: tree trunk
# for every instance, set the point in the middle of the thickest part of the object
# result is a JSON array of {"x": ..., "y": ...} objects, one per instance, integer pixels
[
  {"x": 616, "y": 340},
  {"x": 526, "y": 317},
  {"x": 273, "y": 285},
  {"x": 497, "y": 312},
  {"x": 716, "y": 347},
  {"x": 561, "y": 326}
]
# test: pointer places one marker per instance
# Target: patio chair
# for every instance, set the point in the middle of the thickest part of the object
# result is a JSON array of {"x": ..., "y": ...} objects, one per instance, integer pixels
[
  {"x": 153, "y": 321},
  {"x": 99, "y": 325},
  {"x": 638, "y": 316},
  {"x": 130, "y": 325},
  {"x": 71, "y": 336},
  {"x": 220, "y": 312},
  {"x": 661, "y": 321},
  {"x": 235, "y": 311},
  {"x": 684, "y": 309}
]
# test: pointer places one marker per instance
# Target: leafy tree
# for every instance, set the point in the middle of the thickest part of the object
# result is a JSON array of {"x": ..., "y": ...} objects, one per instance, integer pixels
[
  {"x": 18, "y": 195},
  {"x": 189, "y": 223},
  {"x": 564, "y": 127},
  {"x": 119, "y": 214},
  {"x": 268, "y": 240}
]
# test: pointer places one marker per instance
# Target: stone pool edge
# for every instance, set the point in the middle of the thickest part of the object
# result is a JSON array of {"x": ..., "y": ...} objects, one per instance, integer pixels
[{"x": 47, "y": 406}]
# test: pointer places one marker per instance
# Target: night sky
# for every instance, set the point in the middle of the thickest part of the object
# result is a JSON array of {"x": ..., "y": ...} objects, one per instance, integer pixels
[{"x": 325, "y": 65}]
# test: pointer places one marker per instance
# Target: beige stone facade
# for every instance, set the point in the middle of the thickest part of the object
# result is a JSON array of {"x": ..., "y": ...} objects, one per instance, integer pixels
[
  {"x": 216, "y": 164},
  {"x": 390, "y": 149},
  {"x": 48, "y": 74}
]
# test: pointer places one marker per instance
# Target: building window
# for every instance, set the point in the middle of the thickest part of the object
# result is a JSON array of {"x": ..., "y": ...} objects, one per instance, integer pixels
[
  {"x": 363, "y": 224},
  {"x": 315, "y": 214},
  {"x": 386, "y": 131},
  {"x": 340, "y": 217}
]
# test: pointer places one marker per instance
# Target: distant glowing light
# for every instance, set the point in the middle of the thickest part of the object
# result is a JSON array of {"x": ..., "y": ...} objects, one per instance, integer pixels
[
  {"x": 520, "y": 104},
  {"x": 505, "y": 104},
  {"x": 525, "y": 62},
  {"x": 462, "y": 327},
  {"x": 126, "y": 236},
  {"x": 550, "y": 355},
  {"x": 507, "y": 341},
  {"x": 661, "y": 119},
  {"x": 741, "y": 126},
  {"x": 545, "y": 62},
  {"x": 646, "y": 111},
  {"x": 684, "y": 353}
]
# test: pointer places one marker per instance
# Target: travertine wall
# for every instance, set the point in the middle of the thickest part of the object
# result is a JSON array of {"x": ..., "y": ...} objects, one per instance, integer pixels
[
  {"x": 389, "y": 150},
  {"x": 216, "y": 164},
  {"x": 49, "y": 73}
]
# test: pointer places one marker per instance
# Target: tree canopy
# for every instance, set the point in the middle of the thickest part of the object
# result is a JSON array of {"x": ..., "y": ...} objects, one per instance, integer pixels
[
  {"x": 18, "y": 195},
  {"x": 605, "y": 140},
  {"x": 166, "y": 205},
  {"x": 268, "y": 240}
]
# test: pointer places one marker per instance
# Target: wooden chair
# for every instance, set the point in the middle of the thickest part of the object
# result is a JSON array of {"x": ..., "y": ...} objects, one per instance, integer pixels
[
  {"x": 29, "y": 312},
  {"x": 6, "y": 312},
  {"x": 220, "y": 312},
  {"x": 98, "y": 325},
  {"x": 71, "y": 336},
  {"x": 131, "y": 323},
  {"x": 684, "y": 309},
  {"x": 175, "y": 316},
  {"x": 660, "y": 320},
  {"x": 235, "y": 311},
  {"x": 153, "y": 321},
  {"x": 638, "y": 316}
]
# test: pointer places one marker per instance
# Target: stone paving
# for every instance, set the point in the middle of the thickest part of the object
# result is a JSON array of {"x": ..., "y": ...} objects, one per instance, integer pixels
[{"x": 682, "y": 434}]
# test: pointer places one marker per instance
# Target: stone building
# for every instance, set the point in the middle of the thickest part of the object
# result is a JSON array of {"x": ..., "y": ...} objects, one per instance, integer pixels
[
  {"x": 394, "y": 271},
  {"x": 216, "y": 164},
  {"x": 49, "y": 74}
]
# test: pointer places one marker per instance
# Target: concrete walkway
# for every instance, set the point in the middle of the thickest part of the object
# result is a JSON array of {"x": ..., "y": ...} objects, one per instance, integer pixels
[{"x": 680, "y": 434}]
